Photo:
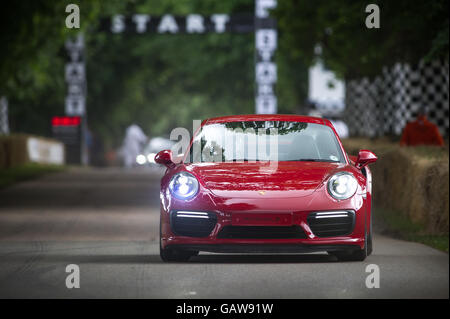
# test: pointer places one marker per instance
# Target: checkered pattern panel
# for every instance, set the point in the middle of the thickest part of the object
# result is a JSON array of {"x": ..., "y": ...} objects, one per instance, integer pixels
[
  {"x": 362, "y": 113},
  {"x": 434, "y": 93},
  {"x": 385, "y": 104}
]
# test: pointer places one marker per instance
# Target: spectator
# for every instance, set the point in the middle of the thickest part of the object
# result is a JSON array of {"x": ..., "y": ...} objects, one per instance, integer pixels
[
  {"x": 132, "y": 144},
  {"x": 421, "y": 132}
]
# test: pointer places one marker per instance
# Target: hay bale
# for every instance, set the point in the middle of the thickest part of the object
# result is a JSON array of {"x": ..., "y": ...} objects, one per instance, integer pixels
[
  {"x": 14, "y": 149},
  {"x": 412, "y": 181},
  {"x": 17, "y": 150},
  {"x": 436, "y": 197}
]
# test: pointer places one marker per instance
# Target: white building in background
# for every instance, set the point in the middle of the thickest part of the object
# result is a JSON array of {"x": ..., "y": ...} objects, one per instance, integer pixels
[
  {"x": 325, "y": 90},
  {"x": 327, "y": 93}
]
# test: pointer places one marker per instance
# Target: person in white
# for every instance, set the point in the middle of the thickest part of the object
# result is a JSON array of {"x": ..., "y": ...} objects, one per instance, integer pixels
[{"x": 132, "y": 144}]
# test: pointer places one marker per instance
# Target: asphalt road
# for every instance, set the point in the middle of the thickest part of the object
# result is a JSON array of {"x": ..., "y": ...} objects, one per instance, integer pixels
[{"x": 106, "y": 222}]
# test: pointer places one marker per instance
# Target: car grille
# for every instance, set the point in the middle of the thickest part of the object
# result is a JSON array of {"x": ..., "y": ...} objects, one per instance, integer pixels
[
  {"x": 331, "y": 224},
  {"x": 193, "y": 224},
  {"x": 262, "y": 232}
]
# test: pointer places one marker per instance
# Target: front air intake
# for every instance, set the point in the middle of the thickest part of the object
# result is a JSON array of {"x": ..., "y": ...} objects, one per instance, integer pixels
[
  {"x": 262, "y": 232},
  {"x": 192, "y": 224},
  {"x": 331, "y": 224}
]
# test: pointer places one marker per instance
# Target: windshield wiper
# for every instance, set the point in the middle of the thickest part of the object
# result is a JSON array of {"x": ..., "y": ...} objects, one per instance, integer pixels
[{"x": 243, "y": 160}]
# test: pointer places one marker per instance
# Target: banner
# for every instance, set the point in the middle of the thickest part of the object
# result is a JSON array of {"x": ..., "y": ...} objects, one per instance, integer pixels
[
  {"x": 266, "y": 39},
  {"x": 171, "y": 24}
]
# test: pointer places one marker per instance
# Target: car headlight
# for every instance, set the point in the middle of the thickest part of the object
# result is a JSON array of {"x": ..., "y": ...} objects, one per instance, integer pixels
[
  {"x": 140, "y": 159},
  {"x": 183, "y": 185},
  {"x": 342, "y": 185},
  {"x": 151, "y": 158}
]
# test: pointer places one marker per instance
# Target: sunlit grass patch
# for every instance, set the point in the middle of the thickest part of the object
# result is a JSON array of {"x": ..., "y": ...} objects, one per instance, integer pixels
[
  {"x": 397, "y": 225},
  {"x": 20, "y": 173}
]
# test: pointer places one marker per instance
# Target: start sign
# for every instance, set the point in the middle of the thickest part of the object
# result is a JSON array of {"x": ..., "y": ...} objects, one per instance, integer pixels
[
  {"x": 260, "y": 23},
  {"x": 192, "y": 23}
]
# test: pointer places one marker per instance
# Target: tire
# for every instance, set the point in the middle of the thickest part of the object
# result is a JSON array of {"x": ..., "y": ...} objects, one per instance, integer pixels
[
  {"x": 358, "y": 255},
  {"x": 369, "y": 237},
  {"x": 369, "y": 243},
  {"x": 174, "y": 255}
]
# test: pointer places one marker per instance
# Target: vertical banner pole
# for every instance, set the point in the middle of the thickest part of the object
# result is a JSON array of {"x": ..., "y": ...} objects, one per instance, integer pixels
[
  {"x": 75, "y": 74},
  {"x": 4, "y": 126},
  {"x": 265, "y": 66}
]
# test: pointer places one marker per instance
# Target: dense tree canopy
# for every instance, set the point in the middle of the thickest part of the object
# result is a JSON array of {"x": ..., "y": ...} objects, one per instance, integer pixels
[
  {"x": 32, "y": 59},
  {"x": 164, "y": 81},
  {"x": 409, "y": 30},
  {"x": 157, "y": 81}
]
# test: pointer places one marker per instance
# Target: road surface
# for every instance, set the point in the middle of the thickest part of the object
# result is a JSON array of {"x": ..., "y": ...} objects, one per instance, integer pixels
[{"x": 106, "y": 222}]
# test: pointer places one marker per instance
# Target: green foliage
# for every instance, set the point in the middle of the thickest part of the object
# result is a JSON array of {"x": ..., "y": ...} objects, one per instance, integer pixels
[
  {"x": 32, "y": 63},
  {"x": 410, "y": 30},
  {"x": 25, "y": 172},
  {"x": 168, "y": 80},
  {"x": 397, "y": 225},
  {"x": 157, "y": 81},
  {"x": 165, "y": 81}
]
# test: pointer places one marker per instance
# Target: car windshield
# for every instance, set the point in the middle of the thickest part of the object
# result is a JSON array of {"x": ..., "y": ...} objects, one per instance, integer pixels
[{"x": 265, "y": 140}]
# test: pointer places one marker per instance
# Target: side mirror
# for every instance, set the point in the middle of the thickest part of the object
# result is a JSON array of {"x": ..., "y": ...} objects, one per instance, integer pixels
[
  {"x": 365, "y": 157},
  {"x": 165, "y": 158}
]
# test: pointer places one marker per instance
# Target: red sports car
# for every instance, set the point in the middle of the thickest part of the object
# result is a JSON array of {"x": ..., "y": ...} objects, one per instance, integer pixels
[{"x": 266, "y": 184}]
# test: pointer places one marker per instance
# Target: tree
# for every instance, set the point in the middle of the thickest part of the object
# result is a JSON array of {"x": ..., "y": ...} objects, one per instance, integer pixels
[
  {"x": 158, "y": 81},
  {"x": 410, "y": 30},
  {"x": 32, "y": 62},
  {"x": 166, "y": 81}
]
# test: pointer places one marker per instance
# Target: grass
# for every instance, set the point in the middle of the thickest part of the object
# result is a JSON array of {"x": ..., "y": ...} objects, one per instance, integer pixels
[
  {"x": 397, "y": 225},
  {"x": 25, "y": 172}
]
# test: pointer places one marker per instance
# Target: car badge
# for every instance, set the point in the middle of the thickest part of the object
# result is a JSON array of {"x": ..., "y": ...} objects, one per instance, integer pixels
[{"x": 262, "y": 193}]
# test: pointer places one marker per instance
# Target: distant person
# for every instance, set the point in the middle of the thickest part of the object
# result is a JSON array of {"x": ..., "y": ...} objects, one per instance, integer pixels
[
  {"x": 132, "y": 144},
  {"x": 421, "y": 132}
]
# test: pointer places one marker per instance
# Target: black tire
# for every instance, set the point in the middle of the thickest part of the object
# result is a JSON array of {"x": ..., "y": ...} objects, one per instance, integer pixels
[
  {"x": 358, "y": 255},
  {"x": 369, "y": 239},
  {"x": 174, "y": 255}
]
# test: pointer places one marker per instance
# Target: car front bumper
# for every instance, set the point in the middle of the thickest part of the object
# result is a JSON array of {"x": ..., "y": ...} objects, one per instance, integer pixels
[{"x": 214, "y": 241}]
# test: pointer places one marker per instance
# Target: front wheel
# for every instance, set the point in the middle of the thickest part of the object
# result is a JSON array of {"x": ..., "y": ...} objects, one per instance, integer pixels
[
  {"x": 174, "y": 255},
  {"x": 369, "y": 243},
  {"x": 358, "y": 255},
  {"x": 369, "y": 237}
]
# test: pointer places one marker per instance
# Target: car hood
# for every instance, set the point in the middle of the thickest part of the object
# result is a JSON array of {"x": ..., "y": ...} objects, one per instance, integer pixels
[{"x": 287, "y": 179}]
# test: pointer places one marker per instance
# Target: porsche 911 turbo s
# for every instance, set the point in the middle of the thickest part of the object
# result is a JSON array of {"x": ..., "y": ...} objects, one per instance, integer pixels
[{"x": 266, "y": 184}]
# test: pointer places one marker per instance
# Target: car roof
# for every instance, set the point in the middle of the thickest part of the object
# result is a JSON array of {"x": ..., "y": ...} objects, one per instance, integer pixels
[{"x": 268, "y": 117}]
